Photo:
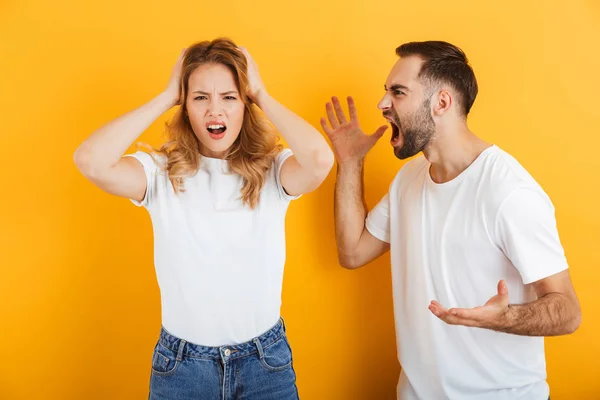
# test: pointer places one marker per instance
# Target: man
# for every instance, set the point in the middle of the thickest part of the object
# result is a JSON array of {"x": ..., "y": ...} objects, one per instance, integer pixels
[{"x": 467, "y": 226}]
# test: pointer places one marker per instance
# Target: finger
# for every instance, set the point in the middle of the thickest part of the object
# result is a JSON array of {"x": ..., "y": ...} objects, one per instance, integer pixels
[
  {"x": 437, "y": 309},
  {"x": 338, "y": 110},
  {"x": 451, "y": 319},
  {"x": 459, "y": 312},
  {"x": 180, "y": 58},
  {"x": 502, "y": 288},
  {"x": 441, "y": 313},
  {"x": 326, "y": 127},
  {"x": 466, "y": 313},
  {"x": 331, "y": 116},
  {"x": 352, "y": 109},
  {"x": 378, "y": 133},
  {"x": 437, "y": 304},
  {"x": 244, "y": 52}
]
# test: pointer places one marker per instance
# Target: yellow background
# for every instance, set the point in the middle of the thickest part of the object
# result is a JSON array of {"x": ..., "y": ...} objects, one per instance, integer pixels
[{"x": 79, "y": 303}]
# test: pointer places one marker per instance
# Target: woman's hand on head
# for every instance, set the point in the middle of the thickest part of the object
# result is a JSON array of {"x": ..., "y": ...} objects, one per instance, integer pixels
[
  {"x": 256, "y": 87},
  {"x": 173, "y": 89}
]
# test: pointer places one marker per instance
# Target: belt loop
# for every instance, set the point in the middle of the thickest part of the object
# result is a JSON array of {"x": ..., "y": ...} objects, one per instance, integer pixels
[
  {"x": 259, "y": 347},
  {"x": 283, "y": 323},
  {"x": 180, "y": 350}
]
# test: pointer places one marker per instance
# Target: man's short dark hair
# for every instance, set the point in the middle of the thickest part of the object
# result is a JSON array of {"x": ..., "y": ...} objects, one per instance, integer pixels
[{"x": 444, "y": 62}]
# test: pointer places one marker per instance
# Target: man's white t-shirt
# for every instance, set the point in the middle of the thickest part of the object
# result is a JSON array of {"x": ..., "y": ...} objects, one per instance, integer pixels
[
  {"x": 219, "y": 264},
  {"x": 453, "y": 242}
]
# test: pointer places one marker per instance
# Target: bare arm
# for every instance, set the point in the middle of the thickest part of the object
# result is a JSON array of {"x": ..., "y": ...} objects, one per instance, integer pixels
[
  {"x": 312, "y": 159},
  {"x": 356, "y": 246},
  {"x": 555, "y": 312},
  {"x": 100, "y": 156}
]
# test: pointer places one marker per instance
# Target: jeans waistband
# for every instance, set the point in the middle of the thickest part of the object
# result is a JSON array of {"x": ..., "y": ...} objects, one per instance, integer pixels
[{"x": 231, "y": 352}]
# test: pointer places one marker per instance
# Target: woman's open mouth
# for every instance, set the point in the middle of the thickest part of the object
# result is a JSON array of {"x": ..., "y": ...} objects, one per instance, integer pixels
[{"x": 216, "y": 130}]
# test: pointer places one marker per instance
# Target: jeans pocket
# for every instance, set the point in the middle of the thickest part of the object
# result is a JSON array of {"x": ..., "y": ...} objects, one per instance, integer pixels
[
  {"x": 277, "y": 356},
  {"x": 164, "y": 361}
]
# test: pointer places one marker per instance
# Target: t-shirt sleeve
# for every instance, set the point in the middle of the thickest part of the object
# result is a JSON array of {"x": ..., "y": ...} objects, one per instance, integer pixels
[
  {"x": 527, "y": 234},
  {"x": 151, "y": 171},
  {"x": 378, "y": 220},
  {"x": 279, "y": 160}
]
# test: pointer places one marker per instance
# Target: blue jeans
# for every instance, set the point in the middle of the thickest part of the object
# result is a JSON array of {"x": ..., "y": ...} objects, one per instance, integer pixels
[{"x": 260, "y": 369}]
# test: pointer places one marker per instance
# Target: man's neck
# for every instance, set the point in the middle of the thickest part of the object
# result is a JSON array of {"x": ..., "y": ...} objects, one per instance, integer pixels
[{"x": 452, "y": 151}]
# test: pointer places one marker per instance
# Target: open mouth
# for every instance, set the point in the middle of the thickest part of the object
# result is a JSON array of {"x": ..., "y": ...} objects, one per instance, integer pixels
[
  {"x": 395, "y": 140},
  {"x": 216, "y": 130},
  {"x": 397, "y": 136}
]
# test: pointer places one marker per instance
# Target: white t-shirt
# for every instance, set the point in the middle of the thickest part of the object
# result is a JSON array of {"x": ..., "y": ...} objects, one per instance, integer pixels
[
  {"x": 219, "y": 264},
  {"x": 453, "y": 242}
]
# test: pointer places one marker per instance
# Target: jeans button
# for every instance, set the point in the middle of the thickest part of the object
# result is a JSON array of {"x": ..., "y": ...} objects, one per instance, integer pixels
[{"x": 227, "y": 352}]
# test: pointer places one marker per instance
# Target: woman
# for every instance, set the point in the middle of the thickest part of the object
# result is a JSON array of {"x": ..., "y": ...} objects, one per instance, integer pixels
[{"x": 217, "y": 192}]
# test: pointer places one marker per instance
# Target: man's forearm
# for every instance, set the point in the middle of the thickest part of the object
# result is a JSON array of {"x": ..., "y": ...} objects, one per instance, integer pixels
[
  {"x": 350, "y": 208},
  {"x": 551, "y": 315}
]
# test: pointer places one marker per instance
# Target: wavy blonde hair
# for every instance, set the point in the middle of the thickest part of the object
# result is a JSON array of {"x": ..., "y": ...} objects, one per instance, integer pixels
[{"x": 253, "y": 152}]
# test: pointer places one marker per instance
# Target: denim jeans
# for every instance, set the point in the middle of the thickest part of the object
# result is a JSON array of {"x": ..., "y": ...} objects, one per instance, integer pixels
[{"x": 260, "y": 369}]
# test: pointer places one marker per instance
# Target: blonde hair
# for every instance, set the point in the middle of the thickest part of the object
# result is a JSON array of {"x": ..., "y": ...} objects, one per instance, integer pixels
[{"x": 253, "y": 152}]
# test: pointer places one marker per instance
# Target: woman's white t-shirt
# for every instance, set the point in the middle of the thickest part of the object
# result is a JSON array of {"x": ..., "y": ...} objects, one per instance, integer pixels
[{"x": 219, "y": 264}]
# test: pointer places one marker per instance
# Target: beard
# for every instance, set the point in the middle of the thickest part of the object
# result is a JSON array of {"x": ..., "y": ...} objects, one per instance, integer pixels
[{"x": 417, "y": 129}]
